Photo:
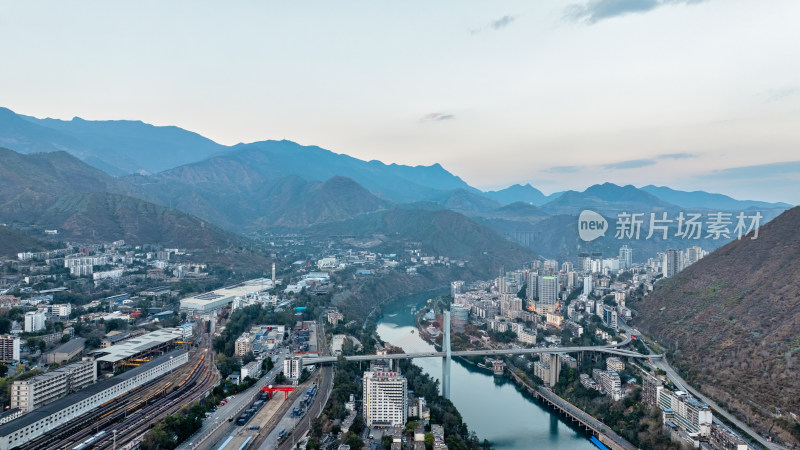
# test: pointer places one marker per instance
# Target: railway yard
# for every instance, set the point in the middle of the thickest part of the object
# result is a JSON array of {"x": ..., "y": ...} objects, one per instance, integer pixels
[
  {"x": 123, "y": 421},
  {"x": 168, "y": 376}
]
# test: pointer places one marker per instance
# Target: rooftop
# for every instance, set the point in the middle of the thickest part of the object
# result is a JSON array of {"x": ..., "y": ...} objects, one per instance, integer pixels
[
  {"x": 71, "y": 346},
  {"x": 64, "y": 402},
  {"x": 136, "y": 345},
  {"x": 239, "y": 290}
]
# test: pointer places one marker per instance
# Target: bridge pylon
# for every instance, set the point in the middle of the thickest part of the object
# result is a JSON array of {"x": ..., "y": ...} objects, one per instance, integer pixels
[{"x": 447, "y": 357}]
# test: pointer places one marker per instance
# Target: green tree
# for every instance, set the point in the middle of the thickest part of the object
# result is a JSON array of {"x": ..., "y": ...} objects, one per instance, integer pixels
[
  {"x": 5, "y": 325},
  {"x": 386, "y": 440},
  {"x": 358, "y": 425},
  {"x": 354, "y": 441}
]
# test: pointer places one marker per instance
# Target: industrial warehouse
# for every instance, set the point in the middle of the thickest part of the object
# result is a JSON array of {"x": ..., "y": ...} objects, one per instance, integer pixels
[
  {"x": 139, "y": 350},
  {"x": 217, "y": 299},
  {"x": 46, "y": 418}
]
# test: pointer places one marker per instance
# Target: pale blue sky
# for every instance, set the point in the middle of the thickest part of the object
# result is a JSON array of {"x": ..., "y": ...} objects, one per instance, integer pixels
[{"x": 561, "y": 94}]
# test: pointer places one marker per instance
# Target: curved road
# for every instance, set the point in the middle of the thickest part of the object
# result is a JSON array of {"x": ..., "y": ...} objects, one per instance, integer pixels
[{"x": 678, "y": 381}]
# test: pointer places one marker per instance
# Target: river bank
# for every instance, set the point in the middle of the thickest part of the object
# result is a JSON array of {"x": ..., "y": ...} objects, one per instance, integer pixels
[{"x": 494, "y": 407}]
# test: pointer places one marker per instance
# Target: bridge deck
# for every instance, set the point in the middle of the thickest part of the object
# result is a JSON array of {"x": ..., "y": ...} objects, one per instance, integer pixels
[{"x": 613, "y": 350}]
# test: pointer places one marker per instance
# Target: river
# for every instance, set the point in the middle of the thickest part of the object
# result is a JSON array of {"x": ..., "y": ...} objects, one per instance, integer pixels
[{"x": 492, "y": 407}]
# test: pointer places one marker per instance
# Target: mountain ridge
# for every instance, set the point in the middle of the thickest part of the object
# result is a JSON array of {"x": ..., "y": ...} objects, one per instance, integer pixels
[
  {"x": 57, "y": 190},
  {"x": 730, "y": 321},
  {"x": 703, "y": 199}
]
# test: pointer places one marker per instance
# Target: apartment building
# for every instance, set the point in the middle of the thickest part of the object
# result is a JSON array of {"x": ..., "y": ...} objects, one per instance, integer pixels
[
  {"x": 385, "y": 398},
  {"x": 9, "y": 348},
  {"x": 40, "y": 390}
]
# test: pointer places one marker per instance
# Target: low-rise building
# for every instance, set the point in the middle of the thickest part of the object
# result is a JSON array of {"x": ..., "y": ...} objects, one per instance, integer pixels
[
  {"x": 66, "y": 352},
  {"x": 334, "y": 317},
  {"x": 242, "y": 345},
  {"x": 689, "y": 414},
  {"x": 40, "y": 390},
  {"x": 609, "y": 382},
  {"x": 526, "y": 336},
  {"x": 722, "y": 439},
  {"x": 588, "y": 382},
  {"x": 614, "y": 364},
  {"x": 252, "y": 370},
  {"x": 548, "y": 368}
]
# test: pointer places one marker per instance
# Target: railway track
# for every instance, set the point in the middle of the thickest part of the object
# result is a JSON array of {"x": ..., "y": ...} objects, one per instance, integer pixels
[
  {"x": 190, "y": 389},
  {"x": 136, "y": 405}
]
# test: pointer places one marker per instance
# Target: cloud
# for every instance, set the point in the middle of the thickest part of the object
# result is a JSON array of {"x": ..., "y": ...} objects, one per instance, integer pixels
[
  {"x": 676, "y": 156},
  {"x": 594, "y": 11},
  {"x": 436, "y": 117},
  {"x": 790, "y": 169},
  {"x": 773, "y": 95},
  {"x": 496, "y": 24},
  {"x": 564, "y": 169},
  {"x": 630, "y": 164},
  {"x": 502, "y": 22}
]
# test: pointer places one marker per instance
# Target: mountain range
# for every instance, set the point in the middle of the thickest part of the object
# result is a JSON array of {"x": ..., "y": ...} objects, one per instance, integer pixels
[
  {"x": 285, "y": 186},
  {"x": 57, "y": 191}
]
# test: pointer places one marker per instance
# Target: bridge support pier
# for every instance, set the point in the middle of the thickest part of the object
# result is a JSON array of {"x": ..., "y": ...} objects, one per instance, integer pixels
[{"x": 446, "y": 359}]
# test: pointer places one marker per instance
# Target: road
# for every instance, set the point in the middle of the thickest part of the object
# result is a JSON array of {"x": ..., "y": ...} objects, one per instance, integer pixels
[
  {"x": 610, "y": 349},
  {"x": 217, "y": 424},
  {"x": 679, "y": 382},
  {"x": 320, "y": 400},
  {"x": 303, "y": 424}
]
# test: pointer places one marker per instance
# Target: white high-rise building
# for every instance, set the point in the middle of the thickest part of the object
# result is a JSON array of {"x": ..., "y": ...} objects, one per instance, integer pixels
[
  {"x": 292, "y": 368},
  {"x": 548, "y": 295},
  {"x": 9, "y": 348},
  {"x": 587, "y": 286},
  {"x": 693, "y": 254},
  {"x": 60, "y": 310},
  {"x": 625, "y": 257},
  {"x": 385, "y": 398},
  {"x": 456, "y": 287},
  {"x": 34, "y": 321},
  {"x": 672, "y": 263}
]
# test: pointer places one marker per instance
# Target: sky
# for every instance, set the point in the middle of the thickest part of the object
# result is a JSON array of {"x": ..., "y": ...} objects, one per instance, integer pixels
[{"x": 692, "y": 94}]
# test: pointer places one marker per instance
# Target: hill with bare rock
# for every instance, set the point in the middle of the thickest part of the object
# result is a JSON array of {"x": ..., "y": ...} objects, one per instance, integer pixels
[
  {"x": 13, "y": 241},
  {"x": 730, "y": 323},
  {"x": 56, "y": 190}
]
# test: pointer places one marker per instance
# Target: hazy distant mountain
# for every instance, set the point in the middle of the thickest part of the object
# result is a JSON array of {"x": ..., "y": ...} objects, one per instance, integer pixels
[
  {"x": 518, "y": 210},
  {"x": 249, "y": 167},
  {"x": 520, "y": 193},
  {"x": 27, "y": 137},
  {"x": 56, "y": 190},
  {"x": 557, "y": 237},
  {"x": 115, "y": 146},
  {"x": 336, "y": 199},
  {"x": 440, "y": 233},
  {"x": 464, "y": 201},
  {"x": 252, "y": 185},
  {"x": 701, "y": 199},
  {"x": 607, "y": 198},
  {"x": 730, "y": 323}
]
